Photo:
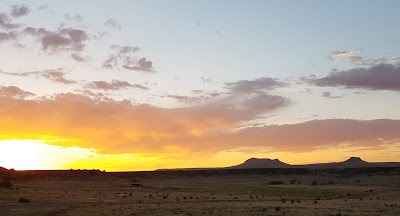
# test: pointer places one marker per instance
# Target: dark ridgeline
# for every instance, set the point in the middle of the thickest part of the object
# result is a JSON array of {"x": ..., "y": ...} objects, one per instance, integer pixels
[
  {"x": 253, "y": 166},
  {"x": 261, "y": 163}
]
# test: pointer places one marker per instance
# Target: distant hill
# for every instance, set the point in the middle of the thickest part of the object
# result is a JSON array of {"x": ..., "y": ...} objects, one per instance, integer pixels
[
  {"x": 266, "y": 163},
  {"x": 253, "y": 163},
  {"x": 352, "y": 162}
]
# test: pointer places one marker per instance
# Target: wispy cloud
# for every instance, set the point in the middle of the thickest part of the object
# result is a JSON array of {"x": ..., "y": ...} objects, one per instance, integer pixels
[
  {"x": 330, "y": 96},
  {"x": 355, "y": 58},
  {"x": 74, "y": 17},
  {"x": 113, "y": 24},
  {"x": 56, "y": 75},
  {"x": 114, "y": 85}
]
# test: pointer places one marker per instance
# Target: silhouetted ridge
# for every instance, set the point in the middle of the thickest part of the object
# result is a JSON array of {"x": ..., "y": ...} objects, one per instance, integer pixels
[
  {"x": 355, "y": 160},
  {"x": 261, "y": 163}
]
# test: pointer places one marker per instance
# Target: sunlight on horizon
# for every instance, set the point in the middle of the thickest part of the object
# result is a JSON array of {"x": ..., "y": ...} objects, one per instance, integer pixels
[{"x": 36, "y": 155}]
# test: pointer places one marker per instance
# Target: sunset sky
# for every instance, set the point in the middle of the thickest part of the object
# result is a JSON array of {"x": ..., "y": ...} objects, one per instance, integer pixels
[{"x": 143, "y": 85}]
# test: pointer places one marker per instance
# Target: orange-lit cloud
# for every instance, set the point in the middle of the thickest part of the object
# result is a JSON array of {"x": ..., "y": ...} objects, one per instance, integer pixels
[{"x": 110, "y": 126}]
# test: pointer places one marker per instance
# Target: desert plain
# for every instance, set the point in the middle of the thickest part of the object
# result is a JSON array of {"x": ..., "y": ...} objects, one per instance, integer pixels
[{"x": 194, "y": 192}]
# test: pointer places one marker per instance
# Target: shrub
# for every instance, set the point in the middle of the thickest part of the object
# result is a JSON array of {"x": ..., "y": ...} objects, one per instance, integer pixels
[
  {"x": 277, "y": 208},
  {"x": 314, "y": 183},
  {"x": 276, "y": 182},
  {"x": 23, "y": 200},
  {"x": 331, "y": 182},
  {"x": 6, "y": 183},
  {"x": 293, "y": 181}
]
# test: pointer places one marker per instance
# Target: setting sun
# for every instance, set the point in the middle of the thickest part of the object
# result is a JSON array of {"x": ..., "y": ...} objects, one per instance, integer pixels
[{"x": 36, "y": 155}]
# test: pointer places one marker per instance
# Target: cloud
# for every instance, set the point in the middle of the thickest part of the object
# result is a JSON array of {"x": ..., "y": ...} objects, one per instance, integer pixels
[
  {"x": 250, "y": 86},
  {"x": 140, "y": 65},
  {"x": 114, "y": 85},
  {"x": 65, "y": 39},
  {"x": 124, "y": 56},
  {"x": 123, "y": 50},
  {"x": 111, "y": 126},
  {"x": 19, "y": 10},
  {"x": 329, "y": 95},
  {"x": 316, "y": 134},
  {"x": 14, "y": 92},
  {"x": 379, "y": 77},
  {"x": 62, "y": 39},
  {"x": 56, "y": 75},
  {"x": 77, "y": 57},
  {"x": 354, "y": 58},
  {"x": 113, "y": 24},
  {"x": 6, "y": 37},
  {"x": 73, "y": 17},
  {"x": 43, "y": 7},
  {"x": 264, "y": 101},
  {"x": 205, "y": 79},
  {"x": 188, "y": 99},
  {"x": 6, "y": 23}
]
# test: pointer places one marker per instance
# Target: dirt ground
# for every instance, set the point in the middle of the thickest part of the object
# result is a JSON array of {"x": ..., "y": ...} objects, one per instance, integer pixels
[{"x": 214, "y": 195}]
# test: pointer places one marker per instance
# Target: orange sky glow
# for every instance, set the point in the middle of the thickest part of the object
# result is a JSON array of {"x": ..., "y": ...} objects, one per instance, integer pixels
[{"x": 176, "y": 85}]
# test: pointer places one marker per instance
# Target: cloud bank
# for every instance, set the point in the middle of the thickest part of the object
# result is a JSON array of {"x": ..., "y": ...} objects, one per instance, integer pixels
[{"x": 379, "y": 77}]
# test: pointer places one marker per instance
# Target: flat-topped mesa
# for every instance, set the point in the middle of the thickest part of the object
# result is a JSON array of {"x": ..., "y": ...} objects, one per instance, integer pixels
[
  {"x": 355, "y": 160},
  {"x": 261, "y": 163}
]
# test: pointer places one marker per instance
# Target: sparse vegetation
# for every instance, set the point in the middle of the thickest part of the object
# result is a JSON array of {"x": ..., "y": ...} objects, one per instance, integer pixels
[
  {"x": 241, "y": 195},
  {"x": 276, "y": 182},
  {"x": 6, "y": 183},
  {"x": 23, "y": 200}
]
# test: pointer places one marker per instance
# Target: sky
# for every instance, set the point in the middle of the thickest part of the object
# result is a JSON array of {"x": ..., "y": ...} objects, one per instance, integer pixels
[{"x": 145, "y": 85}]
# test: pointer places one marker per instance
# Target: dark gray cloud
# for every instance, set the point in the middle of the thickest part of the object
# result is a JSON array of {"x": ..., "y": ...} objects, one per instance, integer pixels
[
  {"x": 56, "y": 75},
  {"x": 19, "y": 10},
  {"x": 14, "y": 92},
  {"x": 252, "y": 86},
  {"x": 113, "y": 85},
  {"x": 379, "y": 77}
]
